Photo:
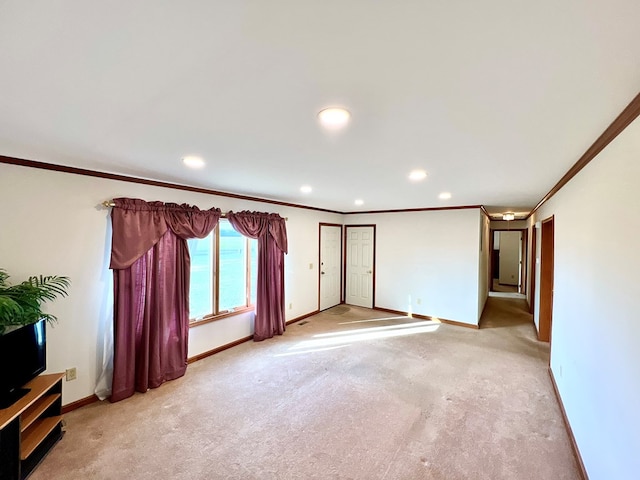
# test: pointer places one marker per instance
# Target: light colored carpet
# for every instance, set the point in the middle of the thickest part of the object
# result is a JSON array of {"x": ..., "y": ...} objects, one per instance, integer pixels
[
  {"x": 337, "y": 310},
  {"x": 362, "y": 395}
]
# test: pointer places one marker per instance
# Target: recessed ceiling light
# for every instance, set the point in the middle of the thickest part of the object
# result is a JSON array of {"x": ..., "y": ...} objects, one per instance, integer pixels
[
  {"x": 306, "y": 189},
  {"x": 444, "y": 196},
  {"x": 193, "y": 161},
  {"x": 334, "y": 117},
  {"x": 417, "y": 175},
  {"x": 359, "y": 202}
]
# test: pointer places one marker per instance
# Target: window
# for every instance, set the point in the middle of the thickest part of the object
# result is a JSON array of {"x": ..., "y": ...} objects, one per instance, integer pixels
[{"x": 224, "y": 269}]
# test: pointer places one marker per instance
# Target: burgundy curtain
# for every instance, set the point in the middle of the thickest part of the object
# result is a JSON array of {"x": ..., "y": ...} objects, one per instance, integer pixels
[
  {"x": 151, "y": 263},
  {"x": 271, "y": 231}
]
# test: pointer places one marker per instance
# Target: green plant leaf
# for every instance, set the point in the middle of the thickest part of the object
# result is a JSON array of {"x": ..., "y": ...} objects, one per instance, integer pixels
[
  {"x": 9, "y": 307},
  {"x": 21, "y": 304}
]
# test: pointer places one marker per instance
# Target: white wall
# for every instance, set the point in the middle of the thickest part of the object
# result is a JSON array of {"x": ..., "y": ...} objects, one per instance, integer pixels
[
  {"x": 510, "y": 225},
  {"x": 595, "y": 339},
  {"x": 427, "y": 262},
  {"x": 509, "y": 258},
  {"x": 52, "y": 223}
]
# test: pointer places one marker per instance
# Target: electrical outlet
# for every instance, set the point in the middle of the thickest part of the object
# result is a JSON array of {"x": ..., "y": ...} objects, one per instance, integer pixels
[
  {"x": 311, "y": 266},
  {"x": 418, "y": 301},
  {"x": 290, "y": 306},
  {"x": 70, "y": 374}
]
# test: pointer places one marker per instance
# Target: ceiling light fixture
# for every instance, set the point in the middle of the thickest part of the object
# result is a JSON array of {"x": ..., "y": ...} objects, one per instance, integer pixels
[
  {"x": 192, "y": 161},
  {"x": 444, "y": 196},
  {"x": 508, "y": 216},
  {"x": 334, "y": 118},
  {"x": 359, "y": 202},
  {"x": 417, "y": 175},
  {"x": 306, "y": 189}
]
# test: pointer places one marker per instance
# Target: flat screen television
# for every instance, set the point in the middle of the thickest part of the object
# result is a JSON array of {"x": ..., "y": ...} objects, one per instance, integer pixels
[{"x": 23, "y": 356}]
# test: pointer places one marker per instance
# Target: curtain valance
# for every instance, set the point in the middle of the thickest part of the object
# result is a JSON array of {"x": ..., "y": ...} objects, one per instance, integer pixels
[
  {"x": 138, "y": 225},
  {"x": 256, "y": 224}
]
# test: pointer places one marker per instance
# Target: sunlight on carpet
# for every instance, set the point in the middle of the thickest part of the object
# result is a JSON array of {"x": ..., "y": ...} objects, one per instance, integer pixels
[
  {"x": 337, "y": 310},
  {"x": 328, "y": 341}
]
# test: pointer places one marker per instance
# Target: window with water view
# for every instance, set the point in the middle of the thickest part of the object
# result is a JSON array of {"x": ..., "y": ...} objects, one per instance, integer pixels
[{"x": 223, "y": 272}]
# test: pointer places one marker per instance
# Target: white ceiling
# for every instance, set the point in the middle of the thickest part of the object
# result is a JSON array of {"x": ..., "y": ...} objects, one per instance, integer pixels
[{"x": 496, "y": 99}]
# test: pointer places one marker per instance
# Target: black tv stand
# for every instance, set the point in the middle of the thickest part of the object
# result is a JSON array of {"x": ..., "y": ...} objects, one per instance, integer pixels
[
  {"x": 13, "y": 396},
  {"x": 30, "y": 427}
]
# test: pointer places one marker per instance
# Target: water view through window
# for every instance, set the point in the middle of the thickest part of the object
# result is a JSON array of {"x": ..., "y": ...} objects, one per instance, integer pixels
[
  {"x": 201, "y": 278},
  {"x": 233, "y": 268},
  {"x": 237, "y": 271}
]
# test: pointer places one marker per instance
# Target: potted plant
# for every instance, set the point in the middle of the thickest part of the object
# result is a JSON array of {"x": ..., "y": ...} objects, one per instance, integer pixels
[{"x": 21, "y": 304}]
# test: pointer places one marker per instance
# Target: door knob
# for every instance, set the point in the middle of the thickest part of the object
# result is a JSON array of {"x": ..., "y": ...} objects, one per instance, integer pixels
[
  {"x": 370, "y": 271},
  {"x": 322, "y": 273}
]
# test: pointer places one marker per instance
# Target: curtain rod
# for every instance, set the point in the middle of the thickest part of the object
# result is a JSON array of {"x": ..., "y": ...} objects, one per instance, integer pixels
[{"x": 110, "y": 203}]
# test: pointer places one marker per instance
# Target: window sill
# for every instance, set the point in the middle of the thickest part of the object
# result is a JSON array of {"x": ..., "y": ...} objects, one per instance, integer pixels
[{"x": 220, "y": 316}]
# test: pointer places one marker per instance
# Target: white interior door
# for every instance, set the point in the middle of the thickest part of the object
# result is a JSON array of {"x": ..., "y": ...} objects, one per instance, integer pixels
[
  {"x": 330, "y": 261},
  {"x": 360, "y": 246}
]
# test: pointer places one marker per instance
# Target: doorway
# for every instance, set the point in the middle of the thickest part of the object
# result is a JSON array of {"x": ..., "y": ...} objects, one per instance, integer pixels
[
  {"x": 546, "y": 280},
  {"x": 330, "y": 282},
  {"x": 508, "y": 272},
  {"x": 360, "y": 272}
]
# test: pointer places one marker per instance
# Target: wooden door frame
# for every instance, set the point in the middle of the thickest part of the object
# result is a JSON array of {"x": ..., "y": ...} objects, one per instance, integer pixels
[
  {"x": 523, "y": 267},
  {"x": 320, "y": 225},
  {"x": 344, "y": 261},
  {"x": 545, "y": 314},
  {"x": 524, "y": 243}
]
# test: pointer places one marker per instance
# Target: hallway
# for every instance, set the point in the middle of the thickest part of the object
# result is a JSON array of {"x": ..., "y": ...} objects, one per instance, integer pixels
[{"x": 506, "y": 312}]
